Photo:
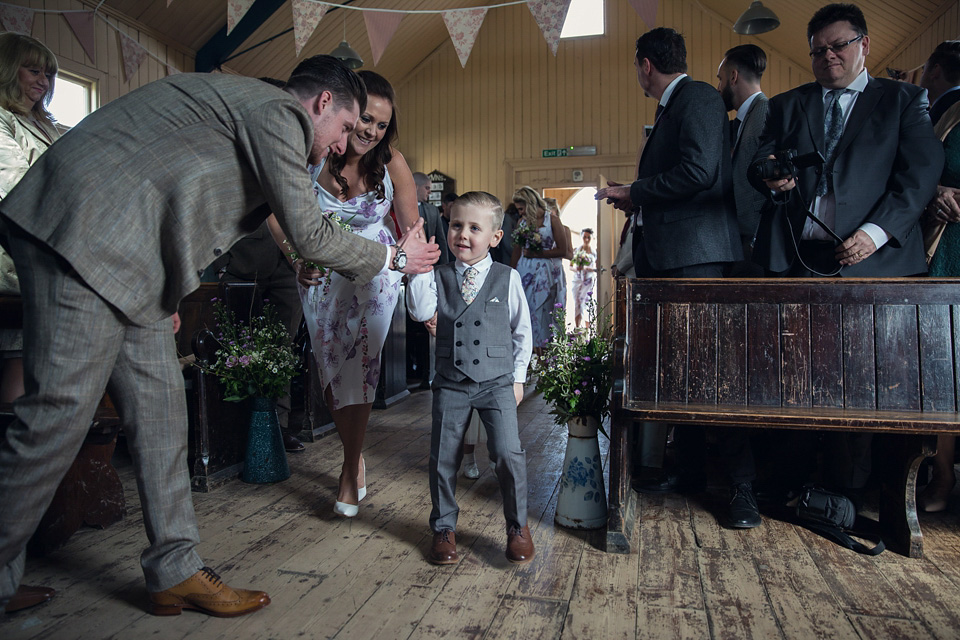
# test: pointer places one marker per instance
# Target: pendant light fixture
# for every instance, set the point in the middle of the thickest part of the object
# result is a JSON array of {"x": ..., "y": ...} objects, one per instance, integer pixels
[
  {"x": 756, "y": 19},
  {"x": 345, "y": 53}
]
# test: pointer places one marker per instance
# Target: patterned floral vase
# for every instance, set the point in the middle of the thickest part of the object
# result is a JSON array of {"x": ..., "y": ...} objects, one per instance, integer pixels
[
  {"x": 582, "y": 503},
  {"x": 266, "y": 460}
]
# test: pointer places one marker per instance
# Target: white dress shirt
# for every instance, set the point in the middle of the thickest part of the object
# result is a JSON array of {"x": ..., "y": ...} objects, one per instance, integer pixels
[
  {"x": 825, "y": 207},
  {"x": 422, "y": 304}
]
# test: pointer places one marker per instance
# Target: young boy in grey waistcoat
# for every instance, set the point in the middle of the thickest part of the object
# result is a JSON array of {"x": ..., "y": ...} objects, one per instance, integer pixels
[{"x": 484, "y": 345}]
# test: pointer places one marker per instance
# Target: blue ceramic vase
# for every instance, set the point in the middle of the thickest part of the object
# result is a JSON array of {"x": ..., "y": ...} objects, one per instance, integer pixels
[
  {"x": 266, "y": 459},
  {"x": 582, "y": 502}
]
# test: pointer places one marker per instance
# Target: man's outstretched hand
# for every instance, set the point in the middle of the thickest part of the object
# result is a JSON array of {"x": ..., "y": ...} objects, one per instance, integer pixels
[{"x": 421, "y": 256}]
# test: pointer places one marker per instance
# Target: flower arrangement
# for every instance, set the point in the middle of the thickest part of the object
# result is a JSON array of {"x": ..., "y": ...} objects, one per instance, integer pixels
[
  {"x": 575, "y": 372},
  {"x": 580, "y": 258},
  {"x": 527, "y": 237},
  {"x": 254, "y": 359}
]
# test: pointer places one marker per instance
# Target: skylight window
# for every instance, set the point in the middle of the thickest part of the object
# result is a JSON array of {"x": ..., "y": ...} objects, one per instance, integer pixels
[{"x": 584, "y": 18}]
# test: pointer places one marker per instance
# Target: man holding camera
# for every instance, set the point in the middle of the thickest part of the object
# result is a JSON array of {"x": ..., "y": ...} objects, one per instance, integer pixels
[
  {"x": 881, "y": 163},
  {"x": 855, "y": 213}
]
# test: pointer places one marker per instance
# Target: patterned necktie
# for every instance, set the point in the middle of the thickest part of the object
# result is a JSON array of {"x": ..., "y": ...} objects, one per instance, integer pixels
[
  {"x": 469, "y": 287},
  {"x": 832, "y": 130}
]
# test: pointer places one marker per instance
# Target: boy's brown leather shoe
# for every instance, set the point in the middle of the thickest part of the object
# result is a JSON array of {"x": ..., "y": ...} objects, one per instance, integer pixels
[
  {"x": 205, "y": 591},
  {"x": 444, "y": 549},
  {"x": 519, "y": 545}
]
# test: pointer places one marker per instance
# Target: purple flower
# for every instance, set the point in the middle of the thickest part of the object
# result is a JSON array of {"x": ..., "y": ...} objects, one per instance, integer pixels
[
  {"x": 576, "y": 392},
  {"x": 586, "y": 358},
  {"x": 244, "y": 360},
  {"x": 231, "y": 362},
  {"x": 559, "y": 305}
]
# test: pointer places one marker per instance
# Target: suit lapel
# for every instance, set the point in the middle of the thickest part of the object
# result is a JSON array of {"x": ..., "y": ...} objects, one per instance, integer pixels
[
  {"x": 743, "y": 125},
  {"x": 812, "y": 105},
  {"x": 663, "y": 114},
  {"x": 32, "y": 127},
  {"x": 862, "y": 108}
]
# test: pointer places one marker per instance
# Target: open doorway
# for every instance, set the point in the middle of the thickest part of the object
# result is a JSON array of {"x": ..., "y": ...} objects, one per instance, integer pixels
[{"x": 578, "y": 211}]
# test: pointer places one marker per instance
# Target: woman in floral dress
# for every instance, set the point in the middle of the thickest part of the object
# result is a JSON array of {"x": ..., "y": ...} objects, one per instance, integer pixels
[
  {"x": 584, "y": 267},
  {"x": 347, "y": 323},
  {"x": 540, "y": 268}
]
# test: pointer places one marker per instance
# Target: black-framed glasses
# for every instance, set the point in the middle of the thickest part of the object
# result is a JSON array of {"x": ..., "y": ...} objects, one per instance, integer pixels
[{"x": 819, "y": 52}]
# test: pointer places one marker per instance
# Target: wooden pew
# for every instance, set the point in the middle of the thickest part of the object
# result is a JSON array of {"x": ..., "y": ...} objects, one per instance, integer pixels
[{"x": 872, "y": 355}]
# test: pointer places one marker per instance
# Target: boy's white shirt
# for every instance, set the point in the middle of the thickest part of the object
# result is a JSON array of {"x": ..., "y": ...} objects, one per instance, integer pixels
[{"x": 422, "y": 304}]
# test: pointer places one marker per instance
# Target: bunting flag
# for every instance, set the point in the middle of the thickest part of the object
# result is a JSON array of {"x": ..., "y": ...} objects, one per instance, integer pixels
[
  {"x": 550, "y": 16},
  {"x": 81, "y": 23},
  {"x": 17, "y": 19},
  {"x": 306, "y": 17},
  {"x": 647, "y": 10},
  {"x": 132, "y": 53},
  {"x": 236, "y": 9},
  {"x": 463, "y": 26},
  {"x": 381, "y": 25},
  {"x": 172, "y": 70}
]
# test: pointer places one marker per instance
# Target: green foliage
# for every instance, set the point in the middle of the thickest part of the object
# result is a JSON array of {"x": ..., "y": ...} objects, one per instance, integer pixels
[
  {"x": 575, "y": 372},
  {"x": 254, "y": 359}
]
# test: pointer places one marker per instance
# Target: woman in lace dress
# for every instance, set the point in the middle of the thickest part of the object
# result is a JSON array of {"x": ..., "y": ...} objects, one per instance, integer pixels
[
  {"x": 584, "y": 267},
  {"x": 541, "y": 270},
  {"x": 347, "y": 323}
]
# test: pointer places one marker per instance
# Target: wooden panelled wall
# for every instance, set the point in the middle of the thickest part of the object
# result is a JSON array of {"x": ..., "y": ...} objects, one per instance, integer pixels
[
  {"x": 111, "y": 82},
  {"x": 945, "y": 26},
  {"x": 514, "y": 98}
]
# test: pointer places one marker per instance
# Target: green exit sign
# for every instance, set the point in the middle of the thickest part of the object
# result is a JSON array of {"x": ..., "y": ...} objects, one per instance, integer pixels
[{"x": 555, "y": 153}]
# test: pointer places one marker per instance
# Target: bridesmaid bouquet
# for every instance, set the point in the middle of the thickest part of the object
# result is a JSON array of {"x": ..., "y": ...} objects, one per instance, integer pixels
[
  {"x": 255, "y": 359},
  {"x": 575, "y": 372},
  {"x": 580, "y": 258},
  {"x": 335, "y": 217},
  {"x": 527, "y": 237}
]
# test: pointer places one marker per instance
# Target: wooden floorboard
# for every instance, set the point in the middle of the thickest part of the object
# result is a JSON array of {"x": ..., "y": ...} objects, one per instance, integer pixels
[{"x": 367, "y": 577}]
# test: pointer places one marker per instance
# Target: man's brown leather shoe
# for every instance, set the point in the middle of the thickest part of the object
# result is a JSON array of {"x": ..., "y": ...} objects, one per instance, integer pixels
[
  {"x": 519, "y": 545},
  {"x": 26, "y": 597},
  {"x": 444, "y": 549},
  {"x": 205, "y": 591}
]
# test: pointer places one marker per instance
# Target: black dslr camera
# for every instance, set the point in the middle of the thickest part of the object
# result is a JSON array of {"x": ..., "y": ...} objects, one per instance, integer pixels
[{"x": 785, "y": 163}]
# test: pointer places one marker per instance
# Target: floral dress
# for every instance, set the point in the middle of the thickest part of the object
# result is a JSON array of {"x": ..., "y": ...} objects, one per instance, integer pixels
[
  {"x": 348, "y": 323},
  {"x": 583, "y": 282},
  {"x": 543, "y": 284}
]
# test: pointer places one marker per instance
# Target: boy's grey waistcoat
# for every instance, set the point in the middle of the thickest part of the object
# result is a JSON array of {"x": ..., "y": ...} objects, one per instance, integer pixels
[{"x": 474, "y": 341}]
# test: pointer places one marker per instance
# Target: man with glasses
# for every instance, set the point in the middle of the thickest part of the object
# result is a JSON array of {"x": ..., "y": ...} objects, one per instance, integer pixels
[{"x": 858, "y": 217}]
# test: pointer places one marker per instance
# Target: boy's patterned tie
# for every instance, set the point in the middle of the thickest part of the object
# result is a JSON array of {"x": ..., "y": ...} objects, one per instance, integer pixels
[{"x": 469, "y": 287}]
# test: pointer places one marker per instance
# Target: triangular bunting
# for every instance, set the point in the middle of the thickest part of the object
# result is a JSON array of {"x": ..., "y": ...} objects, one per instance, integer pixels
[
  {"x": 381, "y": 25},
  {"x": 647, "y": 10},
  {"x": 172, "y": 70},
  {"x": 236, "y": 9},
  {"x": 132, "y": 53},
  {"x": 81, "y": 23},
  {"x": 463, "y": 26},
  {"x": 306, "y": 17},
  {"x": 550, "y": 16},
  {"x": 17, "y": 19}
]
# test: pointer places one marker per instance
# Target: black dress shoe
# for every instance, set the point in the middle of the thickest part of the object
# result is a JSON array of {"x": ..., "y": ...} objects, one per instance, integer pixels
[
  {"x": 742, "y": 512},
  {"x": 292, "y": 443}
]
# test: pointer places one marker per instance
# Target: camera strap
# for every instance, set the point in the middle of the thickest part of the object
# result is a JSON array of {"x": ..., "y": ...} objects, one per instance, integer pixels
[{"x": 793, "y": 236}]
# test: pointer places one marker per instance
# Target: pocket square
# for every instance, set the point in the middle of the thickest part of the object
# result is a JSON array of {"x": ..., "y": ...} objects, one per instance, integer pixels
[{"x": 494, "y": 299}]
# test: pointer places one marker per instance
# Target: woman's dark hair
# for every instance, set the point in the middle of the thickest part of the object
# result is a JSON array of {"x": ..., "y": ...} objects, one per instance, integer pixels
[
  {"x": 826, "y": 16},
  {"x": 665, "y": 50},
  {"x": 373, "y": 164}
]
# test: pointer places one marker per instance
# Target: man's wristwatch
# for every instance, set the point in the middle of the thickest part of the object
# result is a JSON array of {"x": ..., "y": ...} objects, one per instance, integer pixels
[{"x": 399, "y": 260}]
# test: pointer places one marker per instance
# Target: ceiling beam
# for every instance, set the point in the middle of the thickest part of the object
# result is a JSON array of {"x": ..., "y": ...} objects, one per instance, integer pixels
[{"x": 218, "y": 48}]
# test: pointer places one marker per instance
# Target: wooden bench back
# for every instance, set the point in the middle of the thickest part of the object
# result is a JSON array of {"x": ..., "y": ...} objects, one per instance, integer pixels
[{"x": 832, "y": 344}]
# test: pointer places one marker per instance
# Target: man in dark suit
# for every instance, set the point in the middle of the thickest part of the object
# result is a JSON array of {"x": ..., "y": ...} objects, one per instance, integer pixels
[
  {"x": 684, "y": 182},
  {"x": 108, "y": 230},
  {"x": 432, "y": 225},
  {"x": 739, "y": 86},
  {"x": 882, "y": 162},
  {"x": 684, "y": 188},
  {"x": 941, "y": 78}
]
